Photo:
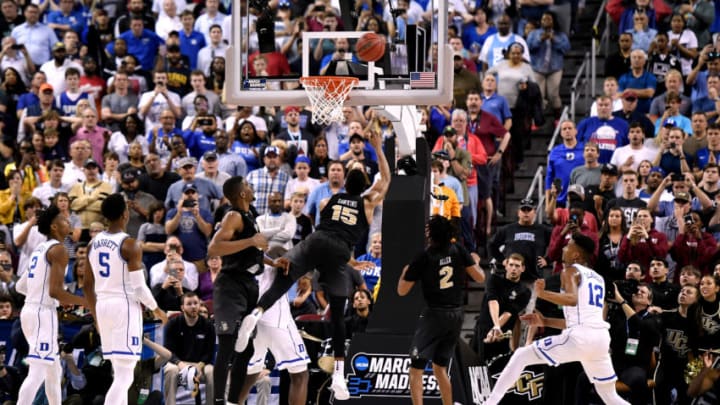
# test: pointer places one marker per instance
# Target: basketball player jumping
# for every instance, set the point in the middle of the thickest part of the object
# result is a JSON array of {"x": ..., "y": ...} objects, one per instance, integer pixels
[
  {"x": 585, "y": 337},
  {"x": 115, "y": 288},
  {"x": 42, "y": 284},
  {"x": 343, "y": 221},
  {"x": 442, "y": 270}
]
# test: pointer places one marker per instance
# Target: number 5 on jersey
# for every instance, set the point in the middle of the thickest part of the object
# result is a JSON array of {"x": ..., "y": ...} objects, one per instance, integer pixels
[{"x": 104, "y": 259}]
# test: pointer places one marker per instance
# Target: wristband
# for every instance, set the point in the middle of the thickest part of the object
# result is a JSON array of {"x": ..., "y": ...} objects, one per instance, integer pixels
[
  {"x": 500, "y": 151},
  {"x": 623, "y": 302}
]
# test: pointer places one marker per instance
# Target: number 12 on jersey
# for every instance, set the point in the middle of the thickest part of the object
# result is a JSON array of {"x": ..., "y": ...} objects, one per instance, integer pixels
[{"x": 596, "y": 294}]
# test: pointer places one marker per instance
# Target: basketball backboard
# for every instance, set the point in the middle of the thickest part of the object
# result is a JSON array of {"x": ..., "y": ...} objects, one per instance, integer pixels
[{"x": 415, "y": 70}]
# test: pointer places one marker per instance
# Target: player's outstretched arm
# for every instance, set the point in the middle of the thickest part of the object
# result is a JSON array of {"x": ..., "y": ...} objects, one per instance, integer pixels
[
  {"x": 404, "y": 286},
  {"x": 380, "y": 188},
  {"x": 222, "y": 243},
  {"x": 58, "y": 258},
  {"x": 89, "y": 290},
  {"x": 569, "y": 283},
  {"x": 132, "y": 253}
]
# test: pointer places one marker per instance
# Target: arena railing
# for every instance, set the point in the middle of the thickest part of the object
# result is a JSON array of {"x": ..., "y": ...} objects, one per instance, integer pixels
[
  {"x": 600, "y": 41},
  {"x": 581, "y": 86},
  {"x": 536, "y": 186}
]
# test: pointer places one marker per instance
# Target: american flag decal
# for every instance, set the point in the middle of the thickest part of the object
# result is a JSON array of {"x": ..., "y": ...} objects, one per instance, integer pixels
[{"x": 424, "y": 80}]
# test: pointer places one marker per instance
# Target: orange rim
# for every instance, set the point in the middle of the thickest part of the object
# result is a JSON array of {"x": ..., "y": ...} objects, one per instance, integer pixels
[{"x": 332, "y": 84}]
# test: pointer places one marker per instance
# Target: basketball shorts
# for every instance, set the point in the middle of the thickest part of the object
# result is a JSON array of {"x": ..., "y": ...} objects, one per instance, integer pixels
[
  {"x": 286, "y": 346},
  {"x": 40, "y": 327},
  {"x": 233, "y": 298},
  {"x": 437, "y": 334},
  {"x": 119, "y": 321},
  {"x": 589, "y": 346},
  {"x": 325, "y": 252}
]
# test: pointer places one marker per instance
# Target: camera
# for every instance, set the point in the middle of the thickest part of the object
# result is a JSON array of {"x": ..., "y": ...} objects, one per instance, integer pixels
[
  {"x": 319, "y": 8},
  {"x": 206, "y": 121},
  {"x": 574, "y": 219},
  {"x": 688, "y": 219},
  {"x": 673, "y": 145},
  {"x": 677, "y": 177},
  {"x": 189, "y": 203},
  {"x": 558, "y": 185},
  {"x": 173, "y": 272},
  {"x": 626, "y": 288},
  {"x": 17, "y": 47}
]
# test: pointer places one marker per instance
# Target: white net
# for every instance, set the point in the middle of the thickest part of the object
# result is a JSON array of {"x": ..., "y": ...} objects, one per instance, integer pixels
[{"x": 327, "y": 95}]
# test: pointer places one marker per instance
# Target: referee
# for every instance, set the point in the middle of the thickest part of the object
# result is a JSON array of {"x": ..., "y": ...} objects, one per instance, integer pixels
[{"x": 442, "y": 270}]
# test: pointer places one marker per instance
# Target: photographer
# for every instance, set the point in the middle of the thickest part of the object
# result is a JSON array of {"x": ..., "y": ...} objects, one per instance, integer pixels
[
  {"x": 338, "y": 62},
  {"x": 173, "y": 252},
  {"x": 191, "y": 224},
  {"x": 642, "y": 242},
  {"x": 153, "y": 103},
  {"x": 200, "y": 138},
  {"x": 692, "y": 245},
  {"x": 671, "y": 157},
  {"x": 562, "y": 234},
  {"x": 169, "y": 294}
]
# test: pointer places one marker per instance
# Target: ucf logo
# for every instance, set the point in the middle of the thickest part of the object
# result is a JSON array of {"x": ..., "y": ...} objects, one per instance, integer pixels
[
  {"x": 677, "y": 340},
  {"x": 529, "y": 384}
]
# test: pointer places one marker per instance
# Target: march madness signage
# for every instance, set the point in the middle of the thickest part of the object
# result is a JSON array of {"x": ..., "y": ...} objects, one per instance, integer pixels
[{"x": 386, "y": 375}]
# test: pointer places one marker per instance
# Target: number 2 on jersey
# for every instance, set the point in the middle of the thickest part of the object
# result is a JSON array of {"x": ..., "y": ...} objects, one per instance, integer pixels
[
  {"x": 596, "y": 294},
  {"x": 104, "y": 258},
  {"x": 33, "y": 264},
  {"x": 446, "y": 274},
  {"x": 346, "y": 215}
]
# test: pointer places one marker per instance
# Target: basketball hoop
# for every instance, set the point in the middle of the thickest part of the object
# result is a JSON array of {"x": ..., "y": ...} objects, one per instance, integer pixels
[{"x": 327, "y": 95}]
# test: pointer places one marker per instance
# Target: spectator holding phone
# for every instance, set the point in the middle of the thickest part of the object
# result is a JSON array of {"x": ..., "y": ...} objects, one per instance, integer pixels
[
  {"x": 173, "y": 251},
  {"x": 169, "y": 293},
  {"x": 642, "y": 242},
  {"x": 192, "y": 225}
]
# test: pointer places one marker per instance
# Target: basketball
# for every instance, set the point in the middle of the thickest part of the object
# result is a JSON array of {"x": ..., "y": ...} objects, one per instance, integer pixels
[{"x": 370, "y": 47}]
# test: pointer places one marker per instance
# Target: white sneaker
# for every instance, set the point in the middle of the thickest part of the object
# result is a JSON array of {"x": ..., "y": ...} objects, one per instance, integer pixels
[
  {"x": 339, "y": 388},
  {"x": 246, "y": 329}
]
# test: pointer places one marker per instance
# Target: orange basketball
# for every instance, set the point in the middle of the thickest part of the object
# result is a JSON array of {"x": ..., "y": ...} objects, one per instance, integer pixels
[{"x": 370, "y": 47}]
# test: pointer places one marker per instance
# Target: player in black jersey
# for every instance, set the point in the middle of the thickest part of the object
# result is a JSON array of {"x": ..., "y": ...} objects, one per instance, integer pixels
[
  {"x": 343, "y": 220},
  {"x": 441, "y": 270},
  {"x": 235, "y": 290}
]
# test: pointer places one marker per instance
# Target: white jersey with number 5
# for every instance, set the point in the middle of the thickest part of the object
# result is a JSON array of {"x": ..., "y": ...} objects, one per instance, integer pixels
[
  {"x": 591, "y": 297},
  {"x": 112, "y": 278},
  {"x": 38, "y": 276}
]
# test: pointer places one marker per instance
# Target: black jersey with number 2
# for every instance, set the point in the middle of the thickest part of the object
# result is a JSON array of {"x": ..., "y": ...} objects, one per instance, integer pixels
[
  {"x": 442, "y": 274},
  {"x": 344, "y": 216}
]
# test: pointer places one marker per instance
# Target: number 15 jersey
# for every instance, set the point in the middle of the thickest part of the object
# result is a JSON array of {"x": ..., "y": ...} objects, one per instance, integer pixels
[
  {"x": 110, "y": 270},
  {"x": 591, "y": 297},
  {"x": 344, "y": 216}
]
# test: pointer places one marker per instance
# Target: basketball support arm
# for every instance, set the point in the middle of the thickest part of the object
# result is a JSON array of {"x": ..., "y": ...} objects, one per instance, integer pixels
[{"x": 406, "y": 124}]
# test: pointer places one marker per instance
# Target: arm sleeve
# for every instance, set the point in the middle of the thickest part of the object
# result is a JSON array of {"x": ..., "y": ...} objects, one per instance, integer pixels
[{"x": 142, "y": 292}]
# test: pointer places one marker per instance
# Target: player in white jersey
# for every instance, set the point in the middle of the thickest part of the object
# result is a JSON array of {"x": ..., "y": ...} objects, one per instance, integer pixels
[
  {"x": 115, "y": 288},
  {"x": 585, "y": 337},
  {"x": 42, "y": 285},
  {"x": 277, "y": 332}
]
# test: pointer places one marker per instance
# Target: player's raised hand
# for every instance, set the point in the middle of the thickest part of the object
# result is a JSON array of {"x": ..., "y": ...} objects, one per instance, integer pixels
[{"x": 161, "y": 315}]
